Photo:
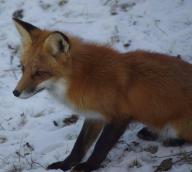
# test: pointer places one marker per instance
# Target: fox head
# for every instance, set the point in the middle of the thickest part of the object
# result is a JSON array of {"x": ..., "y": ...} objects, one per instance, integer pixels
[{"x": 44, "y": 58}]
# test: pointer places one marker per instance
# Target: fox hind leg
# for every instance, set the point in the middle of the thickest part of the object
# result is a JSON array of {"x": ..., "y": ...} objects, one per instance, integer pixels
[
  {"x": 168, "y": 135},
  {"x": 183, "y": 128},
  {"x": 147, "y": 134}
]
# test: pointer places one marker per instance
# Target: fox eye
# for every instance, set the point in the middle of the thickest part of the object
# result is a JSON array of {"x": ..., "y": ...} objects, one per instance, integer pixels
[
  {"x": 22, "y": 68},
  {"x": 41, "y": 74}
]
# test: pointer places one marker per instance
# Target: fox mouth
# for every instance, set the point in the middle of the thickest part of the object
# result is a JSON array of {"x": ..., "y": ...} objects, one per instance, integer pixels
[{"x": 28, "y": 94}]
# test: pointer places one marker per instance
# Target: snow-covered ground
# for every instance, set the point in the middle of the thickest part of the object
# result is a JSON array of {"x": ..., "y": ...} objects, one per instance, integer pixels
[{"x": 32, "y": 132}]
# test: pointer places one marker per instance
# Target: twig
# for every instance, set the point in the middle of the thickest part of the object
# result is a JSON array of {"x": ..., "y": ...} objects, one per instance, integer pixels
[
  {"x": 156, "y": 24},
  {"x": 115, "y": 37},
  {"x": 14, "y": 74},
  {"x": 5, "y": 160},
  {"x": 72, "y": 22},
  {"x": 40, "y": 165},
  {"x": 78, "y": 22},
  {"x": 185, "y": 158},
  {"x": 172, "y": 155},
  {"x": 106, "y": 2},
  {"x": 23, "y": 156},
  {"x": 12, "y": 69},
  {"x": 31, "y": 162}
]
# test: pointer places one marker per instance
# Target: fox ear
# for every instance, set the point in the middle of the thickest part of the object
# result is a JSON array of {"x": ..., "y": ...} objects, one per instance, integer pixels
[
  {"x": 57, "y": 43},
  {"x": 25, "y": 29}
]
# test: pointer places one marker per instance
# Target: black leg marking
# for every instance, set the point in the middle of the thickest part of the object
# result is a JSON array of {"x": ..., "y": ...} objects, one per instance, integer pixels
[
  {"x": 106, "y": 141},
  {"x": 88, "y": 134},
  {"x": 146, "y": 134},
  {"x": 173, "y": 142}
]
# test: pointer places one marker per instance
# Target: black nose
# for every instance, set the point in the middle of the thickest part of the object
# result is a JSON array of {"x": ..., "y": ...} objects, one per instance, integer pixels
[{"x": 16, "y": 93}]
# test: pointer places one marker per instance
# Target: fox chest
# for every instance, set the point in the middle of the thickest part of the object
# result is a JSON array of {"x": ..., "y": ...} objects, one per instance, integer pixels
[{"x": 59, "y": 90}]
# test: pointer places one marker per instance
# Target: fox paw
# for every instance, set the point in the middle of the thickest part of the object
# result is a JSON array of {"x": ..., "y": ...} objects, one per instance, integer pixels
[
  {"x": 59, "y": 165},
  {"x": 173, "y": 142},
  {"x": 83, "y": 167},
  {"x": 146, "y": 134}
]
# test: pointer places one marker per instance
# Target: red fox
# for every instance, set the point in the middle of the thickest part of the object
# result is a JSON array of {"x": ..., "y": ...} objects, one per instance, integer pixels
[{"x": 110, "y": 88}]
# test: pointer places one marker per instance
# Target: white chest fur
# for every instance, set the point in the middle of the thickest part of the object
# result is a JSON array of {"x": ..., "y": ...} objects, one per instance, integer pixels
[
  {"x": 168, "y": 132},
  {"x": 58, "y": 89}
]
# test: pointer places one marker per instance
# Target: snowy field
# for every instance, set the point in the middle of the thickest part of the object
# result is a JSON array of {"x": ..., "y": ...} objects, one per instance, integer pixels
[{"x": 33, "y": 132}]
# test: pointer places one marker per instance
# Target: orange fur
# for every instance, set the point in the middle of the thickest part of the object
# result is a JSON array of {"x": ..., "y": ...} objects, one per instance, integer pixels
[{"x": 153, "y": 88}]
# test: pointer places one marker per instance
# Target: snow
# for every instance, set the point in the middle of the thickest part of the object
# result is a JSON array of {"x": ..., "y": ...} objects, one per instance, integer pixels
[{"x": 27, "y": 131}]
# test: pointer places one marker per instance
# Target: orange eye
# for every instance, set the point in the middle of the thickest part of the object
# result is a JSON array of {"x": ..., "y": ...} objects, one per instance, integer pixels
[
  {"x": 22, "y": 68},
  {"x": 41, "y": 74}
]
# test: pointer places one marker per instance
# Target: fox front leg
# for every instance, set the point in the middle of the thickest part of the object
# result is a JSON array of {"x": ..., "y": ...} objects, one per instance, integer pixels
[
  {"x": 106, "y": 141},
  {"x": 88, "y": 134}
]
